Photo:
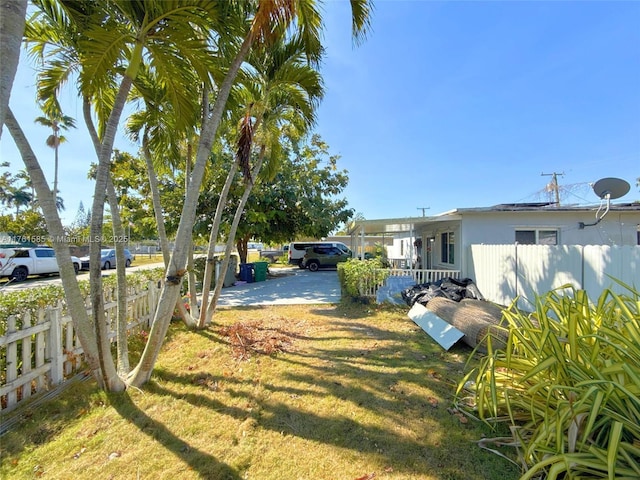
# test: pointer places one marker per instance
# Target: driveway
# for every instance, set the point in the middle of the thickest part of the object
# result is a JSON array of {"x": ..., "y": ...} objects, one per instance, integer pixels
[
  {"x": 288, "y": 286},
  {"x": 284, "y": 286}
]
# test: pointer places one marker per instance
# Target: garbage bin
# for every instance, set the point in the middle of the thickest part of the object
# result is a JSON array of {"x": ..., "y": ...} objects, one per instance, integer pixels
[
  {"x": 260, "y": 271},
  {"x": 246, "y": 272}
]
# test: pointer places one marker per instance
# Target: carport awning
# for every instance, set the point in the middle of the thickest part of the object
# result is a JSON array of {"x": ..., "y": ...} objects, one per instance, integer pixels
[{"x": 396, "y": 225}]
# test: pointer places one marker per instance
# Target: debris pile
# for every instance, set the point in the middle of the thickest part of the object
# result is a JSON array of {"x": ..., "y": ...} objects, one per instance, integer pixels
[{"x": 254, "y": 337}]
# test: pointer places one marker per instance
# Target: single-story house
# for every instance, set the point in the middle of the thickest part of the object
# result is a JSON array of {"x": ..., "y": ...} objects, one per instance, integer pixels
[{"x": 440, "y": 241}]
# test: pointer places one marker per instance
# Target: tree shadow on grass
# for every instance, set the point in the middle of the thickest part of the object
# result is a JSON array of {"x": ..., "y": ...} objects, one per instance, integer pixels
[
  {"x": 203, "y": 463},
  {"x": 284, "y": 418},
  {"x": 409, "y": 446}
]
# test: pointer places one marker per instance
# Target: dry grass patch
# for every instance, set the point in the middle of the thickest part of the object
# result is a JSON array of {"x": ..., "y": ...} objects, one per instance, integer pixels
[{"x": 271, "y": 393}]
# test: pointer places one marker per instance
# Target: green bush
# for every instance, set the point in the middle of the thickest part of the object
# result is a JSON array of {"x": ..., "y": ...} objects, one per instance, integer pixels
[
  {"x": 355, "y": 274},
  {"x": 568, "y": 382}
]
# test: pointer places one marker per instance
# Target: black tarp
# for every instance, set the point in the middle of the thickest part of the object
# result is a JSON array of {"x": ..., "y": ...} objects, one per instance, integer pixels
[{"x": 451, "y": 288}]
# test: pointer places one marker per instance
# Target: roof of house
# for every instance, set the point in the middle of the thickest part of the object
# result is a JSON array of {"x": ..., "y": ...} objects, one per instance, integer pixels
[{"x": 407, "y": 224}]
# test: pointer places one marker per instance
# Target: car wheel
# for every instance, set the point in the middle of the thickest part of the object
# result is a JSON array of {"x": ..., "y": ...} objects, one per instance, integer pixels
[
  {"x": 76, "y": 267},
  {"x": 127, "y": 264},
  {"x": 20, "y": 274},
  {"x": 107, "y": 266},
  {"x": 314, "y": 266}
]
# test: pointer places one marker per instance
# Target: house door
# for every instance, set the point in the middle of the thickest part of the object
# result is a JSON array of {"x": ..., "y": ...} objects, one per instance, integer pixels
[{"x": 429, "y": 246}]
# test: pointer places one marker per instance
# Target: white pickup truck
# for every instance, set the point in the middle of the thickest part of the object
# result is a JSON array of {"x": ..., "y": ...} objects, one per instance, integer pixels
[{"x": 19, "y": 263}]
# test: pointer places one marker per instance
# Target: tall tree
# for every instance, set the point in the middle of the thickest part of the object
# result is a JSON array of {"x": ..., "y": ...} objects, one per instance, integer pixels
[
  {"x": 106, "y": 43},
  {"x": 302, "y": 200},
  {"x": 282, "y": 93},
  {"x": 56, "y": 121}
]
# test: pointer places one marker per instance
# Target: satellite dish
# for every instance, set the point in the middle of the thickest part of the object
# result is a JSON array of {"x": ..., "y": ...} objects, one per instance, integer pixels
[
  {"x": 611, "y": 188},
  {"x": 607, "y": 189}
]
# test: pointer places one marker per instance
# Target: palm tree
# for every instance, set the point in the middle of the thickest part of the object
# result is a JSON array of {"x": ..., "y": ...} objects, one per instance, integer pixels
[
  {"x": 23, "y": 175},
  {"x": 280, "y": 88},
  {"x": 107, "y": 43},
  {"x": 271, "y": 19},
  {"x": 56, "y": 121},
  {"x": 19, "y": 197}
]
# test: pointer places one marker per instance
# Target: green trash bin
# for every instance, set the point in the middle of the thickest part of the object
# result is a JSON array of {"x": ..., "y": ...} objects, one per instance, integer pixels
[{"x": 260, "y": 271}]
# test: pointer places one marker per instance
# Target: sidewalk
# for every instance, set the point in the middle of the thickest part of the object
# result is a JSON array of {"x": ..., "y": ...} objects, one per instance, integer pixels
[{"x": 290, "y": 286}]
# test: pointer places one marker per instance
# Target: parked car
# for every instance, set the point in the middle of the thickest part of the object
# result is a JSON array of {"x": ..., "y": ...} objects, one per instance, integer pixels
[
  {"x": 297, "y": 250},
  {"x": 275, "y": 254},
  {"x": 108, "y": 259},
  {"x": 19, "y": 263},
  {"x": 321, "y": 256}
]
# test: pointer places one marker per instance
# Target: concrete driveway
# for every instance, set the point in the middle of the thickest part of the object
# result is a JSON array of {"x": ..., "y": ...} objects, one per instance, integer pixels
[
  {"x": 288, "y": 286},
  {"x": 284, "y": 286}
]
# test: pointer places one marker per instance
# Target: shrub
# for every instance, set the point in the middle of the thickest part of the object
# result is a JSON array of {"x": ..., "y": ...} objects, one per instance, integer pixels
[
  {"x": 354, "y": 275},
  {"x": 568, "y": 382}
]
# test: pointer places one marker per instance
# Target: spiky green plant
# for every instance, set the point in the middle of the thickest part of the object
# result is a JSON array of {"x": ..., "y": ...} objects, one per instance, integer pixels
[{"x": 568, "y": 381}]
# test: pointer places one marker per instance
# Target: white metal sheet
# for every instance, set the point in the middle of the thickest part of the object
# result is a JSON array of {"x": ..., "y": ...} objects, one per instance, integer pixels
[{"x": 442, "y": 332}]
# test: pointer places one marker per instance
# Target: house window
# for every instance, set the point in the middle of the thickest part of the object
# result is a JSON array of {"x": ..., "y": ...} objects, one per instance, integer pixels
[
  {"x": 447, "y": 241},
  {"x": 537, "y": 237}
]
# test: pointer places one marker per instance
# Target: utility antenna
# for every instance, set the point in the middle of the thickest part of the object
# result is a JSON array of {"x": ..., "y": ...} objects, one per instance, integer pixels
[
  {"x": 554, "y": 184},
  {"x": 423, "y": 209},
  {"x": 607, "y": 189}
]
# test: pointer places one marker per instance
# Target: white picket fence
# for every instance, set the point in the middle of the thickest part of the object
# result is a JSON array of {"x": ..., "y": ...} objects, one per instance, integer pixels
[
  {"x": 506, "y": 272},
  {"x": 43, "y": 350},
  {"x": 368, "y": 287}
]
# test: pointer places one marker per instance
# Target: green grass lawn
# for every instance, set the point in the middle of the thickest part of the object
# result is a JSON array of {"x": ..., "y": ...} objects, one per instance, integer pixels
[
  {"x": 147, "y": 258},
  {"x": 271, "y": 393}
]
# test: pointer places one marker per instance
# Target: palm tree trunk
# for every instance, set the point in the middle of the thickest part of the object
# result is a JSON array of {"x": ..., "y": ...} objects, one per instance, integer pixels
[
  {"x": 108, "y": 369},
  {"x": 121, "y": 282},
  {"x": 55, "y": 170},
  {"x": 232, "y": 234},
  {"x": 191, "y": 279},
  {"x": 121, "y": 275},
  {"x": 12, "y": 20},
  {"x": 171, "y": 289},
  {"x": 213, "y": 240},
  {"x": 155, "y": 198},
  {"x": 73, "y": 295},
  {"x": 157, "y": 211}
]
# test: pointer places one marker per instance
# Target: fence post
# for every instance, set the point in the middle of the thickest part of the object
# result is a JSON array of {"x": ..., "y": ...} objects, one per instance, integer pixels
[
  {"x": 12, "y": 361},
  {"x": 55, "y": 353},
  {"x": 152, "y": 297}
]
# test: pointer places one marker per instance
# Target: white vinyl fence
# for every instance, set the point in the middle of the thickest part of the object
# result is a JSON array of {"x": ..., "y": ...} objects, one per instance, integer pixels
[
  {"x": 40, "y": 351},
  {"x": 505, "y": 272}
]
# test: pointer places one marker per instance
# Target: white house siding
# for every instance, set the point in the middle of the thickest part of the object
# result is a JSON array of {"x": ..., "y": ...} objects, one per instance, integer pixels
[
  {"x": 435, "y": 231},
  {"x": 498, "y": 228},
  {"x": 617, "y": 228}
]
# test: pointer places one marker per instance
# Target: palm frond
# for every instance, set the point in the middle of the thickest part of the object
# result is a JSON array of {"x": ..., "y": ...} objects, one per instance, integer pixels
[{"x": 243, "y": 151}]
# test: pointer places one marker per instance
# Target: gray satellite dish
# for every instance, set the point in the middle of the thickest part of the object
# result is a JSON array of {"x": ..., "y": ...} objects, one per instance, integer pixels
[
  {"x": 607, "y": 189},
  {"x": 611, "y": 188}
]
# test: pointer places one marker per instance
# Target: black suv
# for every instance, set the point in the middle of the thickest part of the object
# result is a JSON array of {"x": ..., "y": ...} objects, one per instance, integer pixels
[{"x": 323, "y": 256}]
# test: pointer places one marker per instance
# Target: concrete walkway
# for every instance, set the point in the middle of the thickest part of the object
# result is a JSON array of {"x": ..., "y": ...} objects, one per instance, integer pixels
[{"x": 287, "y": 286}]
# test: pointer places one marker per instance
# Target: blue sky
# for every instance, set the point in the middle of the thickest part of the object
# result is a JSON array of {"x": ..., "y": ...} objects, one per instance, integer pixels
[{"x": 449, "y": 104}]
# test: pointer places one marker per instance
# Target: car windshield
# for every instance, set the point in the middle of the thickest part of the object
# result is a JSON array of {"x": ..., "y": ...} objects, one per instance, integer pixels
[{"x": 104, "y": 252}]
